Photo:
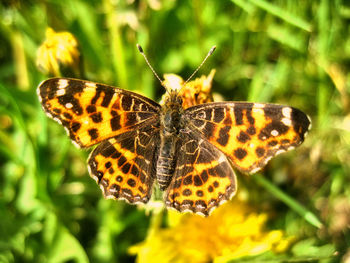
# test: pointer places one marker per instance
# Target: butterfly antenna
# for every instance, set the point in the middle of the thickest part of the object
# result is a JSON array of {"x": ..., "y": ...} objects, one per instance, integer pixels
[
  {"x": 211, "y": 51},
  {"x": 149, "y": 65}
]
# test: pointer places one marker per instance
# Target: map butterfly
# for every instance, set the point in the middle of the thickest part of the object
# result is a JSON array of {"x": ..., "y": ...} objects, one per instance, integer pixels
[{"x": 191, "y": 152}]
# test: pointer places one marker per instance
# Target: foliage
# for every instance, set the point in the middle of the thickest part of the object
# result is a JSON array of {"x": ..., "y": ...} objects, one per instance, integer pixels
[{"x": 290, "y": 52}]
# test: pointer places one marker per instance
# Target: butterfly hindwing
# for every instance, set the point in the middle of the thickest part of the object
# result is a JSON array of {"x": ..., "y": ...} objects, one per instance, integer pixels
[
  {"x": 203, "y": 177},
  {"x": 93, "y": 112},
  {"x": 123, "y": 166},
  {"x": 250, "y": 134}
]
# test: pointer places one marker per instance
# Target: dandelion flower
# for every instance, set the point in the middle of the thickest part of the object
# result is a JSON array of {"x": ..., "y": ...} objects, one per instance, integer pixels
[
  {"x": 59, "y": 50},
  {"x": 234, "y": 230},
  {"x": 195, "y": 92}
]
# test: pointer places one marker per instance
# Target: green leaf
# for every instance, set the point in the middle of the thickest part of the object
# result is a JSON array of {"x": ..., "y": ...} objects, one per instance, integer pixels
[{"x": 65, "y": 248}]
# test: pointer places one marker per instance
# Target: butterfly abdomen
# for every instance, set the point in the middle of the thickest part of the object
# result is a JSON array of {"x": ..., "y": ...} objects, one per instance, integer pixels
[
  {"x": 170, "y": 127},
  {"x": 166, "y": 161}
]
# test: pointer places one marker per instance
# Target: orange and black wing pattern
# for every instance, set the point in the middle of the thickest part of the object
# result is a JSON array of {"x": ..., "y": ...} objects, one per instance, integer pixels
[
  {"x": 123, "y": 166},
  {"x": 214, "y": 138},
  {"x": 92, "y": 112},
  {"x": 124, "y": 123},
  {"x": 249, "y": 134},
  {"x": 203, "y": 177}
]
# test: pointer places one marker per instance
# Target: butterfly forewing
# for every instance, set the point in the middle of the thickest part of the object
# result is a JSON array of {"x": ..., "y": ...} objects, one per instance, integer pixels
[
  {"x": 250, "y": 134},
  {"x": 93, "y": 112}
]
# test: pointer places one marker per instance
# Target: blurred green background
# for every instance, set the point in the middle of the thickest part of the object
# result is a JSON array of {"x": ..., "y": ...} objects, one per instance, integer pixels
[{"x": 288, "y": 52}]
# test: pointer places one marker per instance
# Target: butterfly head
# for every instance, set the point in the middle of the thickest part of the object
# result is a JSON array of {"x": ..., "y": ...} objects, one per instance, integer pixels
[
  {"x": 173, "y": 99},
  {"x": 173, "y": 89}
]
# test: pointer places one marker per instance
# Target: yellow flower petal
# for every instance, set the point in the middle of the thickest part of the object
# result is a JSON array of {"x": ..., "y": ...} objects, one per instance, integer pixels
[
  {"x": 234, "y": 230},
  {"x": 195, "y": 92},
  {"x": 58, "y": 49}
]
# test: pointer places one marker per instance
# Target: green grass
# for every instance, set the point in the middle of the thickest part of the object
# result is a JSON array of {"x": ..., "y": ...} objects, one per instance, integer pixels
[{"x": 289, "y": 52}]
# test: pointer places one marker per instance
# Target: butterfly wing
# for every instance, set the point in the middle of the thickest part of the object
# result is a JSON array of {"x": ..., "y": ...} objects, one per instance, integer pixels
[
  {"x": 203, "y": 177},
  {"x": 250, "y": 134},
  {"x": 93, "y": 112},
  {"x": 123, "y": 166}
]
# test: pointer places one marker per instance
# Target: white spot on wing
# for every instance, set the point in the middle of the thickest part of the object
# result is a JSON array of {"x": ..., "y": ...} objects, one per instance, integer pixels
[
  {"x": 286, "y": 121},
  {"x": 233, "y": 192},
  {"x": 60, "y": 92},
  {"x": 62, "y": 83},
  {"x": 38, "y": 93},
  {"x": 90, "y": 85},
  {"x": 127, "y": 194},
  {"x": 103, "y": 191},
  {"x": 255, "y": 170},
  {"x": 280, "y": 151},
  {"x": 258, "y": 108},
  {"x": 76, "y": 144},
  {"x": 286, "y": 111},
  {"x": 58, "y": 120},
  {"x": 211, "y": 209},
  {"x": 222, "y": 202},
  {"x": 199, "y": 213},
  {"x": 258, "y": 105},
  {"x": 310, "y": 125},
  {"x": 89, "y": 170},
  {"x": 222, "y": 159},
  {"x": 274, "y": 132},
  {"x": 267, "y": 159},
  {"x": 68, "y": 105}
]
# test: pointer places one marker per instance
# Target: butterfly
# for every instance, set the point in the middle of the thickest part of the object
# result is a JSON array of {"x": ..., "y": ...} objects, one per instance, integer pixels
[{"x": 191, "y": 153}]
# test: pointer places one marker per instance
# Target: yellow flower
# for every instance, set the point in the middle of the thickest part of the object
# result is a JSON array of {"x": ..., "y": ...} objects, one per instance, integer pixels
[
  {"x": 60, "y": 49},
  {"x": 234, "y": 230},
  {"x": 195, "y": 92}
]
